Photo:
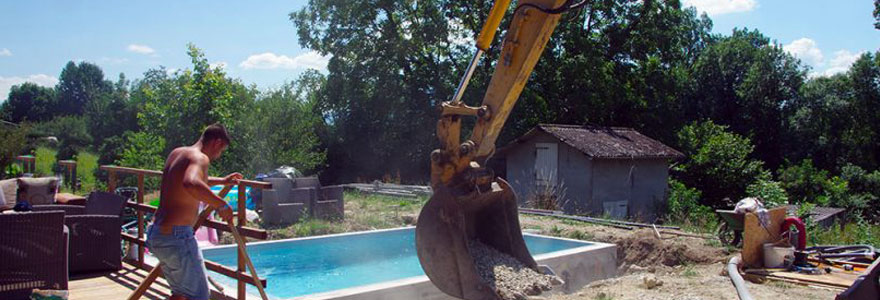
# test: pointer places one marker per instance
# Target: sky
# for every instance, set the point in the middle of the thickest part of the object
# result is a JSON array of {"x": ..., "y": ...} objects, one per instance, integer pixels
[{"x": 257, "y": 42}]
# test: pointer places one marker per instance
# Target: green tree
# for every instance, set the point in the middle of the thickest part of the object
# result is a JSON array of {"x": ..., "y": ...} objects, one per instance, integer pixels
[
  {"x": 385, "y": 78},
  {"x": 30, "y": 102},
  {"x": 110, "y": 115},
  {"x": 178, "y": 107},
  {"x": 865, "y": 109},
  {"x": 614, "y": 63},
  {"x": 79, "y": 85},
  {"x": 744, "y": 81},
  {"x": 771, "y": 192},
  {"x": 820, "y": 122},
  {"x": 877, "y": 14},
  {"x": 718, "y": 162},
  {"x": 285, "y": 126}
]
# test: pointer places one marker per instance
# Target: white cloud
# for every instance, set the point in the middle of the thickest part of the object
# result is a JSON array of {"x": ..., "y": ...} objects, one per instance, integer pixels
[
  {"x": 806, "y": 50},
  {"x": 841, "y": 62},
  {"x": 221, "y": 64},
  {"x": 5, "y": 52},
  {"x": 141, "y": 49},
  {"x": 269, "y": 60},
  {"x": 720, "y": 7},
  {"x": 6, "y": 83}
]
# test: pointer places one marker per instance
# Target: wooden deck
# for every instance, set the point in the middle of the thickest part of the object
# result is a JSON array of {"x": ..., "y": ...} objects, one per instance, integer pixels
[{"x": 116, "y": 285}]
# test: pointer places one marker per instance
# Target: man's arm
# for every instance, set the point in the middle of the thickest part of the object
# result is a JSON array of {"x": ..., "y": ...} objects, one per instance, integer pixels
[
  {"x": 195, "y": 185},
  {"x": 229, "y": 179}
]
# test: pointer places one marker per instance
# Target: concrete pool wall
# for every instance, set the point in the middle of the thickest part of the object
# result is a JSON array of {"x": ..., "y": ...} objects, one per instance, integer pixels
[{"x": 577, "y": 267}]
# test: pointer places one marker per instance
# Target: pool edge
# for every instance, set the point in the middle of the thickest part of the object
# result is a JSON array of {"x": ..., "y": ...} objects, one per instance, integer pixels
[{"x": 577, "y": 267}]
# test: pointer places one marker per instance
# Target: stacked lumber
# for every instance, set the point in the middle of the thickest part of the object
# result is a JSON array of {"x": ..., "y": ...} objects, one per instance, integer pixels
[{"x": 390, "y": 189}]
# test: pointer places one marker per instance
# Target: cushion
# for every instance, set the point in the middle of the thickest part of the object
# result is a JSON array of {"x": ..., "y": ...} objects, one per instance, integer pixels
[
  {"x": 37, "y": 191},
  {"x": 2, "y": 200},
  {"x": 9, "y": 188}
]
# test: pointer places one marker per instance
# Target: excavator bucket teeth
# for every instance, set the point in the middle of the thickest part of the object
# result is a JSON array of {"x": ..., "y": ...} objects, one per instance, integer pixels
[{"x": 448, "y": 222}]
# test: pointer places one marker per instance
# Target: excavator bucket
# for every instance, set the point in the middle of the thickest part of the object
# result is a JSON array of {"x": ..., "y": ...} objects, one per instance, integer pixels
[{"x": 449, "y": 221}]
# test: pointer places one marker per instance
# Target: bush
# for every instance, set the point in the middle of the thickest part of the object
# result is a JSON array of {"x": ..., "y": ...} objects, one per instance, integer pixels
[
  {"x": 45, "y": 162},
  {"x": 859, "y": 232},
  {"x": 685, "y": 208},
  {"x": 804, "y": 183},
  {"x": 72, "y": 133},
  {"x": 771, "y": 192},
  {"x": 144, "y": 151},
  {"x": 86, "y": 164},
  {"x": 14, "y": 141},
  {"x": 718, "y": 163}
]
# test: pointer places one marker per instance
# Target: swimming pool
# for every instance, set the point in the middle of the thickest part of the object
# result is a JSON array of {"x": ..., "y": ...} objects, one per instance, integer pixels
[{"x": 305, "y": 266}]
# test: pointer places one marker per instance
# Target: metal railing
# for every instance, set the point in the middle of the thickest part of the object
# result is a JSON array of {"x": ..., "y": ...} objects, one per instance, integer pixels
[{"x": 239, "y": 274}]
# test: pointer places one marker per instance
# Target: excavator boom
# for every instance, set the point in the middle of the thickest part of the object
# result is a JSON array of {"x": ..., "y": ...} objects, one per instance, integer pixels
[{"x": 469, "y": 202}]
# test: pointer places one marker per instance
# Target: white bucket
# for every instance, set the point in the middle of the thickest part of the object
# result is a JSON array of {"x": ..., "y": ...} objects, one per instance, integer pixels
[{"x": 774, "y": 257}]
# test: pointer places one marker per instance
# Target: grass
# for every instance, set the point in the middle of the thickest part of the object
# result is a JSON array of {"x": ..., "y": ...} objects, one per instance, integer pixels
[
  {"x": 44, "y": 161},
  {"x": 689, "y": 271},
  {"x": 603, "y": 296},
  {"x": 861, "y": 233},
  {"x": 86, "y": 164}
]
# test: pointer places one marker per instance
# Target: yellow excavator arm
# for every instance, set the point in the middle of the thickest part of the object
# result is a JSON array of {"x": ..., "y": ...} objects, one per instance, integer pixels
[
  {"x": 469, "y": 203},
  {"x": 522, "y": 46}
]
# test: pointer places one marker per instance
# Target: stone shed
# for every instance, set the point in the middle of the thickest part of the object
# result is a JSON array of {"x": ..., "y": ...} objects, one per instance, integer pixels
[{"x": 611, "y": 171}]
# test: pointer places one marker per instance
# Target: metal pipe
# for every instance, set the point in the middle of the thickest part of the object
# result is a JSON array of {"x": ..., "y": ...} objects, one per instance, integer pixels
[
  {"x": 738, "y": 282},
  {"x": 459, "y": 92}
]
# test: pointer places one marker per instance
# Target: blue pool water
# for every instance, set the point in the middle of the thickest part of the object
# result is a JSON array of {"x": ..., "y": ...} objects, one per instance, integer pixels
[{"x": 302, "y": 267}]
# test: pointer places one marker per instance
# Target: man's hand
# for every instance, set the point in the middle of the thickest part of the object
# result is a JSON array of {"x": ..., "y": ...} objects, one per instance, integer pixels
[
  {"x": 225, "y": 213},
  {"x": 233, "y": 178}
]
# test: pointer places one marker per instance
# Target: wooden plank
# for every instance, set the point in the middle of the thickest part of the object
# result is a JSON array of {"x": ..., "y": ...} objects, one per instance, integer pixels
[
  {"x": 242, "y": 291},
  {"x": 133, "y": 171},
  {"x": 140, "y": 217},
  {"x": 229, "y": 272},
  {"x": 837, "y": 279},
  {"x": 133, "y": 239},
  {"x": 250, "y": 232},
  {"x": 111, "y": 181},
  {"x": 115, "y": 285},
  {"x": 142, "y": 207},
  {"x": 755, "y": 236}
]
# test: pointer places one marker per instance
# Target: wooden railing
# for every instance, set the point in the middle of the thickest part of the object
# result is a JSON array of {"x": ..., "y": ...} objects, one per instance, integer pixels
[
  {"x": 69, "y": 172},
  {"x": 239, "y": 274},
  {"x": 28, "y": 163}
]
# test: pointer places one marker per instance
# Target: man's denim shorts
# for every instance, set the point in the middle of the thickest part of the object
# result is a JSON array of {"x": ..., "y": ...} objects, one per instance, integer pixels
[{"x": 181, "y": 261}]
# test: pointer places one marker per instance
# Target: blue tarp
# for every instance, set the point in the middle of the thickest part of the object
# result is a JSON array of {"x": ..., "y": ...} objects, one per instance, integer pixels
[{"x": 232, "y": 197}]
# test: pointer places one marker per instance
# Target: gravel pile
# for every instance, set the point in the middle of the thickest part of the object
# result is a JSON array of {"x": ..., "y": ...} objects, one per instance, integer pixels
[{"x": 508, "y": 276}]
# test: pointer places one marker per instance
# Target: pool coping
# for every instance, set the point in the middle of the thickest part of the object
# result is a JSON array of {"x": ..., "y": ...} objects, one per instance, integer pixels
[{"x": 352, "y": 292}]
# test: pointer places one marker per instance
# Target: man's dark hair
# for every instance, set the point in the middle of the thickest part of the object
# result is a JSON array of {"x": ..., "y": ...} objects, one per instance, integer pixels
[{"x": 215, "y": 132}]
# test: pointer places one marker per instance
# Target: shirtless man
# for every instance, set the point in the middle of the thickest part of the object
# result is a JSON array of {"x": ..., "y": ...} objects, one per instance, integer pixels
[{"x": 185, "y": 182}]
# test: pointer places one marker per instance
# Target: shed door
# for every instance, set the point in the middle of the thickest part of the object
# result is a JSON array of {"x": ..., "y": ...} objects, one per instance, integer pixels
[{"x": 545, "y": 164}]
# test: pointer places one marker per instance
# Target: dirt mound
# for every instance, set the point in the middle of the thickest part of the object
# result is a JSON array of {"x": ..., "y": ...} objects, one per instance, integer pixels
[{"x": 644, "y": 249}]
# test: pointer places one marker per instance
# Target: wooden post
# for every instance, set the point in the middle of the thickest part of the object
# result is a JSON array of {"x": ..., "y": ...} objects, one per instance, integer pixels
[
  {"x": 140, "y": 217},
  {"x": 111, "y": 181},
  {"x": 242, "y": 220}
]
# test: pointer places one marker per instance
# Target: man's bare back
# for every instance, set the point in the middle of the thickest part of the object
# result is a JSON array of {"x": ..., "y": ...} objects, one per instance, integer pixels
[
  {"x": 177, "y": 206},
  {"x": 185, "y": 183}
]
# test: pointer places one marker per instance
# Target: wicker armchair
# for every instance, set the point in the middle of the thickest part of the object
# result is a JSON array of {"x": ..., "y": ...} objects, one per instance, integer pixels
[
  {"x": 33, "y": 253},
  {"x": 95, "y": 232}
]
